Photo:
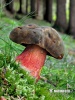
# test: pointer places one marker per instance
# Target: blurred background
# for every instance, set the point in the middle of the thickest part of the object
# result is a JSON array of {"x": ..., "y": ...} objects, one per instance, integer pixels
[{"x": 59, "y": 13}]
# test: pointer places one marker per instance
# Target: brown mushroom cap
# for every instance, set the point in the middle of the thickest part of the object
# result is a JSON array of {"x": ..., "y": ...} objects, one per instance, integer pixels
[{"x": 45, "y": 37}]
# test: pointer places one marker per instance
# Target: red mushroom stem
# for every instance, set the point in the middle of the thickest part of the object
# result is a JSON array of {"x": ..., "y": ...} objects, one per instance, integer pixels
[
  {"x": 32, "y": 59},
  {"x": 2, "y": 98}
]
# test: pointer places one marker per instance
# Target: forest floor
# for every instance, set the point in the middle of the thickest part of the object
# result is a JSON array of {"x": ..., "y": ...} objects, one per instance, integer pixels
[{"x": 16, "y": 84}]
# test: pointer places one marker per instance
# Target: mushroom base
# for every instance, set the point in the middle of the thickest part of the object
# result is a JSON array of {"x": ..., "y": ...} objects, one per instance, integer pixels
[{"x": 32, "y": 59}]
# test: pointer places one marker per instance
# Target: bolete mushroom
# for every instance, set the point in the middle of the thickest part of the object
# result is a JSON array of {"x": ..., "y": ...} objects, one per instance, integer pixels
[
  {"x": 39, "y": 41},
  {"x": 2, "y": 98}
]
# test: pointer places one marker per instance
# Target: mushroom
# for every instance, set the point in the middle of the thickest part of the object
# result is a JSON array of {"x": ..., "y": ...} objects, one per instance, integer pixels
[
  {"x": 2, "y": 98},
  {"x": 39, "y": 41}
]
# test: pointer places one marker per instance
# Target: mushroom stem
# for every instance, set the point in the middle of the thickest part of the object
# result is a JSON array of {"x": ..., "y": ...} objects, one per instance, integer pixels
[
  {"x": 2, "y": 98},
  {"x": 32, "y": 59}
]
